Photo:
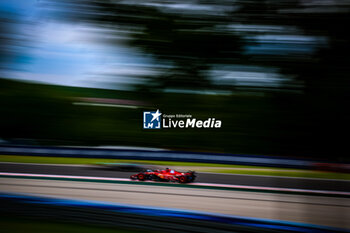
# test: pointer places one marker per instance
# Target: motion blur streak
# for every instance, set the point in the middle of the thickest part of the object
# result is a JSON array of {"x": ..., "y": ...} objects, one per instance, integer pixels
[
  {"x": 275, "y": 73},
  {"x": 298, "y": 208}
]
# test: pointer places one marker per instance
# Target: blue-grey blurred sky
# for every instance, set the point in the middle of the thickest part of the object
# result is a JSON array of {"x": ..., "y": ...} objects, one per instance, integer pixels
[{"x": 62, "y": 53}]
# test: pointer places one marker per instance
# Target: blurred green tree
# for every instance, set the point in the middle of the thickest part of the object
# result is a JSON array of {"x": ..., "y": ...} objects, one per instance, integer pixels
[{"x": 188, "y": 42}]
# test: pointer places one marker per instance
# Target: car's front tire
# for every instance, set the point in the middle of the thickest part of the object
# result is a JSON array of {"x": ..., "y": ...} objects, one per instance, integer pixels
[
  {"x": 182, "y": 179},
  {"x": 141, "y": 177}
]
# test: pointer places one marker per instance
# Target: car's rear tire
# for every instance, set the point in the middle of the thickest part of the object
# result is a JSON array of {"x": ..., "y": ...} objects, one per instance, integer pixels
[
  {"x": 182, "y": 179},
  {"x": 141, "y": 177}
]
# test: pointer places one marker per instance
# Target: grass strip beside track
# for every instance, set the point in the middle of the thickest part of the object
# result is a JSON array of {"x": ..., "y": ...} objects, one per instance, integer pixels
[
  {"x": 192, "y": 185},
  {"x": 64, "y": 160},
  {"x": 200, "y": 167},
  {"x": 286, "y": 173}
]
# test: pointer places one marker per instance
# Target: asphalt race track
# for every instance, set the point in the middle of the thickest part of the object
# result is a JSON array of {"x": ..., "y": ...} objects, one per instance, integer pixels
[
  {"x": 326, "y": 211},
  {"x": 263, "y": 181},
  {"x": 320, "y": 210}
]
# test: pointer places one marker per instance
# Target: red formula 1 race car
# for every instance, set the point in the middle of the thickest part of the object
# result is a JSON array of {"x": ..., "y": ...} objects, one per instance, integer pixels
[{"x": 167, "y": 175}]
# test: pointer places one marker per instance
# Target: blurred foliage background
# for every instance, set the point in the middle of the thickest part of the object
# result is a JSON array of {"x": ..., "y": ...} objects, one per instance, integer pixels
[{"x": 275, "y": 72}]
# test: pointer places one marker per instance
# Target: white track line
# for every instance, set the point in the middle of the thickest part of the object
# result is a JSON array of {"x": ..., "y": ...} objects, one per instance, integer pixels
[
  {"x": 63, "y": 176},
  {"x": 258, "y": 188}
]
